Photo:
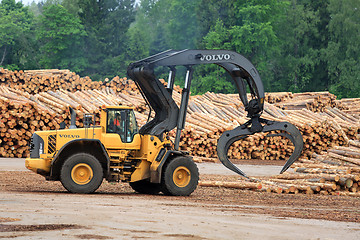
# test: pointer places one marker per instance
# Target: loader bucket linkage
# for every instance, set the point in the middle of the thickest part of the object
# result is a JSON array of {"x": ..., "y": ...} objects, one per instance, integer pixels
[{"x": 168, "y": 115}]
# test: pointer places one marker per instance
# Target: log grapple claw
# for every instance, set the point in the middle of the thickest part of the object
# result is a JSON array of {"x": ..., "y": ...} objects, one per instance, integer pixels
[{"x": 287, "y": 129}]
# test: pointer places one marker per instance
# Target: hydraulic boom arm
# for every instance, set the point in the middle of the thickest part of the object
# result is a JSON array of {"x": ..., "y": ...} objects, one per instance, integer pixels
[{"x": 168, "y": 115}]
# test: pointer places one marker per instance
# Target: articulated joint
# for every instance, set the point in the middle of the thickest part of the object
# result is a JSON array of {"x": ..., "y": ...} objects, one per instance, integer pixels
[{"x": 253, "y": 108}]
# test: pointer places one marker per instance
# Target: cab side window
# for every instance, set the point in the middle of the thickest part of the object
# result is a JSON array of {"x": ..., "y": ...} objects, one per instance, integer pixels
[
  {"x": 122, "y": 122},
  {"x": 116, "y": 123},
  {"x": 132, "y": 127}
]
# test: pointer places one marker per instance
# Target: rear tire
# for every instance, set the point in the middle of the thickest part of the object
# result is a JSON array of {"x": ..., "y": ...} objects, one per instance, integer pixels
[
  {"x": 180, "y": 177},
  {"x": 146, "y": 187},
  {"x": 81, "y": 173}
]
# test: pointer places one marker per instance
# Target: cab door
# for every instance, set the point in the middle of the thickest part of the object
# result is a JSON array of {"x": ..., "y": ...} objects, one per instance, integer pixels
[
  {"x": 114, "y": 136},
  {"x": 121, "y": 129}
]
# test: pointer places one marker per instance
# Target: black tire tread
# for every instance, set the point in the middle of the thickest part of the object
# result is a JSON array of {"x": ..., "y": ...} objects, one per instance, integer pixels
[
  {"x": 65, "y": 174},
  {"x": 169, "y": 187}
]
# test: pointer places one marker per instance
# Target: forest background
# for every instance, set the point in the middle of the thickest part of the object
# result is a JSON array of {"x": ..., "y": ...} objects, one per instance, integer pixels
[{"x": 296, "y": 45}]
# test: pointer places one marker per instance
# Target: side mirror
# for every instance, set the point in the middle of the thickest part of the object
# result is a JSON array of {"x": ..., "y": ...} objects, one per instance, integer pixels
[
  {"x": 89, "y": 119},
  {"x": 73, "y": 118}
]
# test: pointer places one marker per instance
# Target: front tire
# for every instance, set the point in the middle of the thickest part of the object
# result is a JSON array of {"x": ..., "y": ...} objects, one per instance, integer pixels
[
  {"x": 180, "y": 177},
  {"x": 81, "y": 173}
]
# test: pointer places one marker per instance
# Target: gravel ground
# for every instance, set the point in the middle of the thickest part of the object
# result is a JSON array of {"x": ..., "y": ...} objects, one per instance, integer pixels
[
  {"x": 32, "y": 208},
  {"x": 251, "y": 168}
]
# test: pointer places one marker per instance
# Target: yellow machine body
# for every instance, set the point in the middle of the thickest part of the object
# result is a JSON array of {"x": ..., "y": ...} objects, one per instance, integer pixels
[{"x": 137, "y": 153}]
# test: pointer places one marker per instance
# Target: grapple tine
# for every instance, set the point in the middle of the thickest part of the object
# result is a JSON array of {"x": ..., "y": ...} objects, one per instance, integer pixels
[
  {"x": 292, "y": 133},
  {"x": 225, "y": 141},
  {"x": 231, "y": 136}
]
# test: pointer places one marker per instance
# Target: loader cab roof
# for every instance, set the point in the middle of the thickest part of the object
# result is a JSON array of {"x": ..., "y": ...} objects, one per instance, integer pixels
[{"x": 118, "y": 107}]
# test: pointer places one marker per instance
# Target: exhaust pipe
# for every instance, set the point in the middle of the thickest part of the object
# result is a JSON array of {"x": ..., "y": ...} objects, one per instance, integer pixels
[{"x": 73, "y": 118}]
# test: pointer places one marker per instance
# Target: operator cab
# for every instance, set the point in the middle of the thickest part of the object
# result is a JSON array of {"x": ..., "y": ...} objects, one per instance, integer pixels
[{"x": 123, "y": 122}]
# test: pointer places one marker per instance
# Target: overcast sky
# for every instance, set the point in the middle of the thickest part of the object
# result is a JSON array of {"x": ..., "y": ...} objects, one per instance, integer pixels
[{"x": 27, "y": 2}]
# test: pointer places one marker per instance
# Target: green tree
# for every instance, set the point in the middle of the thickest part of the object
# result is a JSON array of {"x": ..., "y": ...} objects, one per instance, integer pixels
[
  {"x": 119, "y": 16},
  {"x": 251, "y": 33},
  {"x": 72, "y": 6},
  {"x": 320, "y": 42},
  {"x": 151, "y": 20},
  {"x": 61, "y": 36},
  {"x": 182, "y": 26},
  {"x": 106, "y": 23},
  {"x": 91, "y": 16},
  {"x": 211, "y": 77},
  {"x": 15, "y": 24},
  {"x": 298, "y": 61},
  {"x": 162, "y": 25},
  {"x": 137, "y": 48},
  {"x": 343, "y": 53},
  {"x": 140, "y": 33},
  {"x": 35, "y": 8},
  {"x": 210, "y": 11},
  {"x": 168, "y": 24}
]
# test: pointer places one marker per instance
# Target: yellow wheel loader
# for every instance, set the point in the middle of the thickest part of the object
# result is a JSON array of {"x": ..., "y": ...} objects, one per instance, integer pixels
[{"x": 117, "y": 150}]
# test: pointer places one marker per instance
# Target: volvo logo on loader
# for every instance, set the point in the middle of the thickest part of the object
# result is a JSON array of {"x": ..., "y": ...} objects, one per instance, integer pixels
[
  {"x": 69, "y": 136},
  {"x": 217, "y": 57}
]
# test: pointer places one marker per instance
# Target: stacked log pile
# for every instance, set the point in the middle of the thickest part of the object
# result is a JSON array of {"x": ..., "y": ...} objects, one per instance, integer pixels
[
  {"x": 335, "y": 172},
  {"x": 128, "y": 86},
  {"x": 19, "y": 118},
  {"x": 37, "y": 81},
  {"x": 209, "y": 115},
  {"x": 23, "y": 113},
  {"x": 121, "y": 85},
  {"x": 276, "y": 97},
  {"x": 352, "y": 106},
  {"x": 313, "y": 101}
]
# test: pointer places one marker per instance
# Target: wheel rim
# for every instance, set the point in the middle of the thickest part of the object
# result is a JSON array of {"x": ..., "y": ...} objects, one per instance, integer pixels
[
  {"x": 181, "y": 176},
  {"x": 82, "y": 173}
]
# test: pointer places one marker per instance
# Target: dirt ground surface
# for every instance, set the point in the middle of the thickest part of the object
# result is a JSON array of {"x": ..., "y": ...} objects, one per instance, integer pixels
[{"x": 32, "y": 208}]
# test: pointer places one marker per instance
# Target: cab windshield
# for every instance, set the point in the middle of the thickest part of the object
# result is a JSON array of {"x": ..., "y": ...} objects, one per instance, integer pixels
[{"x": 122, "y": 122}]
